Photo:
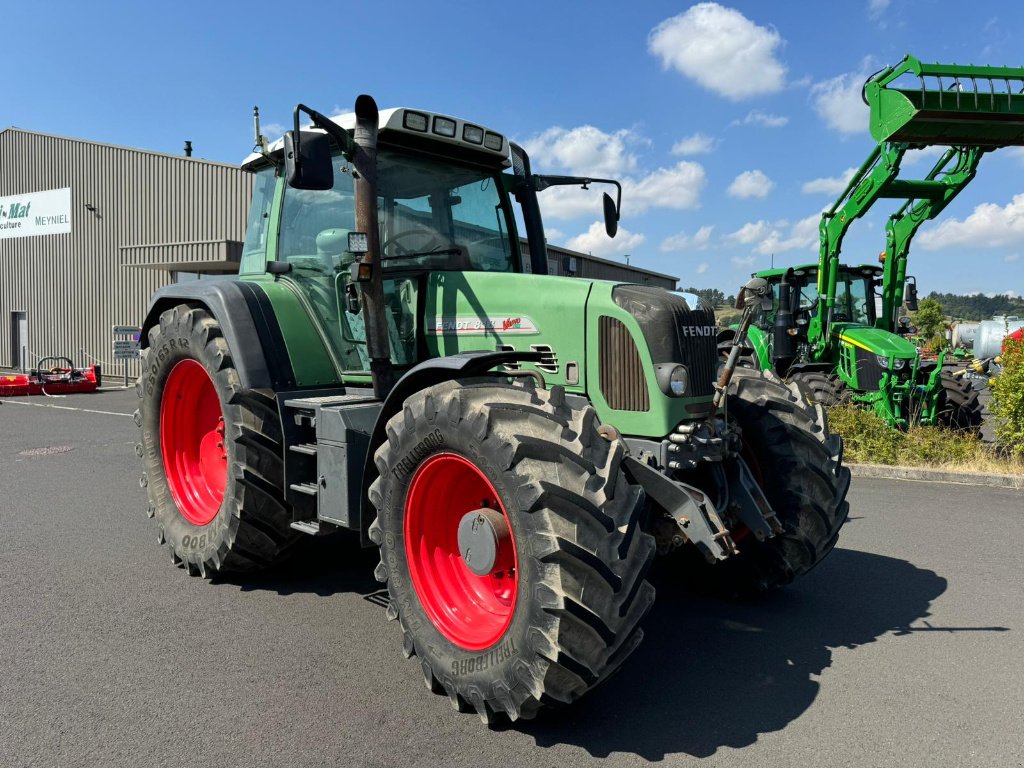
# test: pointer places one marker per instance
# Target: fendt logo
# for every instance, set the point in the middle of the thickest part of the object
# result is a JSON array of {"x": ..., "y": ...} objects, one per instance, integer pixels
[{"x": 698, "y": 330}]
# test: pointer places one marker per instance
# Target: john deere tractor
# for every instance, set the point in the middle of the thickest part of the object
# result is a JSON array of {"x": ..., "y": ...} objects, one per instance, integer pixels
[
  {"x": 518, "y": 446},
  {"x": 835, "y": 329}
]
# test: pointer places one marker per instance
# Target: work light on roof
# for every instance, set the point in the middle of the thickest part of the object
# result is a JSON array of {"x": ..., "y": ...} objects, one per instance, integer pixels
[
  {"x": 473, "y": 134},
  {"x": 444, "y": 127},
  {"x": 493, "y": 141},
  {"x": 415, "y": 121}
]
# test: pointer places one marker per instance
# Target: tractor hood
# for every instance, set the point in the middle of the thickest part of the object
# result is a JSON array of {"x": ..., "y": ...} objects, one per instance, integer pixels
[{"x": 874, "y": 340}]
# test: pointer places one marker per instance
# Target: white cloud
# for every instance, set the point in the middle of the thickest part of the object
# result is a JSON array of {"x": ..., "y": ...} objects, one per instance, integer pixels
[
  {"x": 757, "y": 117},
  {"x": 750, "y": 184},
  {"x": 931, "y": 154},
  {"x": 722, "y": 50},
  {"x": 1015, "y": 152},
  {"x": 553, "y": 234},
  {"x": 699, "y": 241},
  {"x": 778, "y": 237},
  {"x": 989, "y": 226},
  {"x": 838, "y": 102},
  {"x": 584, "y": 150},
  {"x": 678, "y": 187},
  {"x": 743, "y": 262},
  {"x": 749, "y": 233},
  {"x": 595, "y": 241},
  {"x": 698, "y": 144},
  {"x": 1012, "y": 258},
  {"x": 830, "y": 185},
  {"x": 876, "y": 8},
  {"x": 702, "y": 268}
]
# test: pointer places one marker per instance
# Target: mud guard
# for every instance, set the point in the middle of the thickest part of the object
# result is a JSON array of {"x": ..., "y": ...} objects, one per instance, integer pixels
[{"x": 247, "y": 321}]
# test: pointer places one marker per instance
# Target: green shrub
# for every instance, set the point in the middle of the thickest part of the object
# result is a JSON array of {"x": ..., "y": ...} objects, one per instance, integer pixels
[
  {"x": 1008, "y": 399},
  {"x": 868, "y": 439}
]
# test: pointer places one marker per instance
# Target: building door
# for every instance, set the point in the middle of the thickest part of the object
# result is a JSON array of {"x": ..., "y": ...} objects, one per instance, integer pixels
[{"x": 19, "y": 339}]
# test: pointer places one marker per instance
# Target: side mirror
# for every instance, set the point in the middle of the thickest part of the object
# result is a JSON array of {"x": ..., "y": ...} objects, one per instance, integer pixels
[
  {"x": 910, "y": 295},
  {"x": 307, "y": 160},
  {"x": 611, "y": 216}
]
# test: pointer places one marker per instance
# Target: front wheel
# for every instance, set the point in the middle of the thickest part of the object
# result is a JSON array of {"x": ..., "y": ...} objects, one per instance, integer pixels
[
  {"x": 211, "y": 452},
  {"x": 825, "y": 389},
  {"x": 798, "y": 464},
  {"x": 959, "y": 407},
  {"x": 511, "y": 545}
]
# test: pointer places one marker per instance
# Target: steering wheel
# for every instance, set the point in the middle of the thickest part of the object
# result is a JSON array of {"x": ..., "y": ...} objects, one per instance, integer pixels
[
  {"x": 840, "y": 317},
  {"x": 421, "y": 239},
  {"x": 54, "y": 372}
]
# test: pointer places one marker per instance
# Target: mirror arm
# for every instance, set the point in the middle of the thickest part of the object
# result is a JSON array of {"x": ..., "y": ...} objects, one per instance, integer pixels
[
  {"x": 332, "y": 129},
  {"x": 542, "y": 182}
]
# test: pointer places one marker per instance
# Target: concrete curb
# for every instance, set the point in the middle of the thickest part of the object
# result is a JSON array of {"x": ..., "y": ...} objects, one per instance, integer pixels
[{"x": 1015, "y": 482}]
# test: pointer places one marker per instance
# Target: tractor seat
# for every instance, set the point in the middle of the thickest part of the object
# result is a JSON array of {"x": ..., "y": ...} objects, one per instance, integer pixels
[{"x": 332, "y": 248}]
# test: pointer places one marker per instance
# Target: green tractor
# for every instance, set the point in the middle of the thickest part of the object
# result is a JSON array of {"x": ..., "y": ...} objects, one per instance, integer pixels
[
  {"x": 835, "y": 330},
  {"x": 518, "y": 446}
]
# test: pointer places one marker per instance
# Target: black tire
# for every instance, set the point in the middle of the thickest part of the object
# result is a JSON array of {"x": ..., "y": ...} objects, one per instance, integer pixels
[
  {"x": 799, "y": 466},
  {"x": 825, "y": 389},
  {"x": 250, "y": 530},
  {"x": 575, "y": 519},
  {"x": 959, "y": 407}
]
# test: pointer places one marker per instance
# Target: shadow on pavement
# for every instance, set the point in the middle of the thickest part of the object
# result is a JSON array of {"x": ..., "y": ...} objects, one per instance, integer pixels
[
  {"x": 713, "y": 674},
  {"x": 323, "y": 566}
]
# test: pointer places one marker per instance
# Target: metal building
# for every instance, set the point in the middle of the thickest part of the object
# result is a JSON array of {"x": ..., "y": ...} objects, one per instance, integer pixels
[
  {"x": 562, "y": 261},
  {"x": 88, "y": 231}
]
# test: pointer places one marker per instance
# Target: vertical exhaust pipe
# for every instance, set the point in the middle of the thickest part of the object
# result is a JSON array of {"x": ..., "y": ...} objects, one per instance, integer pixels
[{"x": 365, "y": 160}]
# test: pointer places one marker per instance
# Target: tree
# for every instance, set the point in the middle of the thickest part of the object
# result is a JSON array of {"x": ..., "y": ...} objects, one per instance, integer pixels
[
  {"x": 929, "y": 318},
  {"x": 712, "y": 296}
]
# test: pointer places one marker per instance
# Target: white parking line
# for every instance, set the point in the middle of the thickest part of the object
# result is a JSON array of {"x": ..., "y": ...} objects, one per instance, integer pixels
[{"x": 64, "y": 408}]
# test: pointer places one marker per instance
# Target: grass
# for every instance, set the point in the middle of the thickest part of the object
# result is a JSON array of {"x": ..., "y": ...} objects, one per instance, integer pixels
[{"x": 867, "y": 439}]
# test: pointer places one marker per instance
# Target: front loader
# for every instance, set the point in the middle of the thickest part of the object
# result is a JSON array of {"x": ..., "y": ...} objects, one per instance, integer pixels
[
  {"x": 518, "y": 446},
  {"x": 834, "y": 328}
]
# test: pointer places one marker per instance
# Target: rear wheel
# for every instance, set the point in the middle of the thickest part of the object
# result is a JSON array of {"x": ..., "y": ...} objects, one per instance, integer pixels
[
  {"x": 959, "y": 407},
  {"x": 211, "y": 452},
  {"x": 511, "y": 545},
  {"x": 825, "y": 389},
  {"x": 799, "y": 466}
]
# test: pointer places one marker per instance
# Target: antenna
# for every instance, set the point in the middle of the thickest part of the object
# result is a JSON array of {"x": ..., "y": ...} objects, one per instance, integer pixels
[{"x": 261, "y": 140}]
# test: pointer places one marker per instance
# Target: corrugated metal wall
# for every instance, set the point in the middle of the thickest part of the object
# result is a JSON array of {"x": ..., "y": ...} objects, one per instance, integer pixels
[{"x": 150, "y": 208}]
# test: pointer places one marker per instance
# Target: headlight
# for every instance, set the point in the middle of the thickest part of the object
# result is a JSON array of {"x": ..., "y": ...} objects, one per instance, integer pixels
[
  {"x": 882, "y": 360},
  {"x": 673, "y": 379},
  {"x": 899, "y": 363}
]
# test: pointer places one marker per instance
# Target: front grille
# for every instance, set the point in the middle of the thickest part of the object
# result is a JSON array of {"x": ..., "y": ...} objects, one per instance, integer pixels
[
  {"x": 623, "y": 384},
  {"x": 869, "y": 372},
  {"x": 675, "y": 332}
]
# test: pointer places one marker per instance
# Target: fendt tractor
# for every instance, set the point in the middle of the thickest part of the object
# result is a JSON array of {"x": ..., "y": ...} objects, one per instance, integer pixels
[
  {"x": 519, "y": 446},
  {"x": 836, "y": 330}
]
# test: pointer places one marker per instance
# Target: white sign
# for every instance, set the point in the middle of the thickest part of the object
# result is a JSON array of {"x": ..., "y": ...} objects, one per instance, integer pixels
[
  {"x": 36, "y": 213},
  {"x": 473, "y": 325},
  {"x": 126, "y": 330}
]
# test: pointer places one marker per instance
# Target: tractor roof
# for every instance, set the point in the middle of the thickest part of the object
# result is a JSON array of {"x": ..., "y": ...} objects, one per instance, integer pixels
[{"x": 418, "y": 124}]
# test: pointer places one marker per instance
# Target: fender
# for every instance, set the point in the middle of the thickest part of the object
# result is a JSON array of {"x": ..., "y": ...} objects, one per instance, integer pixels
[
  {"x": 427, "y": 374},
  {"x": 247, "y": 321}
]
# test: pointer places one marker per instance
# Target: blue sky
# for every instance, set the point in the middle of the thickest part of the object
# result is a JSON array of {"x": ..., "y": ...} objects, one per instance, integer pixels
[{"x": 730, "y": 124}]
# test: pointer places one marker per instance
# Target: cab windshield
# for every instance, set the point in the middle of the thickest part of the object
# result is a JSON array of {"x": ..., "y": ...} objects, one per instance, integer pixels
[{"x": 432, "y": 215}]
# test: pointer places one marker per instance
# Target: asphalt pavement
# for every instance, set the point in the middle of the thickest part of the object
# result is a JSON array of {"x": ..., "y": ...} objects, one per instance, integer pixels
[{"x": 904, "y": 647}]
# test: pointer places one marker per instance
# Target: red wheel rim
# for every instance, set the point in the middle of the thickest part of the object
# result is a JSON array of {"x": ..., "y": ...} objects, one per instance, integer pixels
[
  {"x": 192, "y": 442},
  {"x": 471, "y": 611}
]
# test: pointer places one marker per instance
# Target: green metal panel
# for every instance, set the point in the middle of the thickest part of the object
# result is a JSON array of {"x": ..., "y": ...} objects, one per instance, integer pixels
[
  {"x": 470, "y": 311},
  {"x": 310, "y": 357}
]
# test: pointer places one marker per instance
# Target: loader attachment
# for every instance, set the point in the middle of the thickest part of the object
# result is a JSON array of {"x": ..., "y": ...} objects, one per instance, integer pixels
[{"x": 952, "y": 104}]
